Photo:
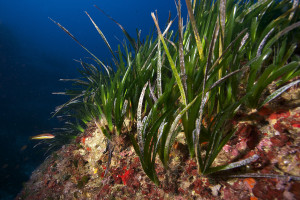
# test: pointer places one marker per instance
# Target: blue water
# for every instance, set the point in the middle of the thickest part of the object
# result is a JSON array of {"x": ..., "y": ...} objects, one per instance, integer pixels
[{"x": 35, "y": 54}]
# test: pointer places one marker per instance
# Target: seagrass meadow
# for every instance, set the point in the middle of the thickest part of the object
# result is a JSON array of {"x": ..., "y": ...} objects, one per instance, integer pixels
[{"x": 209, "y": 111}]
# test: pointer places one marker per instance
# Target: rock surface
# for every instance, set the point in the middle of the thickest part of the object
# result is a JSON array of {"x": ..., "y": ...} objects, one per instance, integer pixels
[{"x": 77, "y": 171}]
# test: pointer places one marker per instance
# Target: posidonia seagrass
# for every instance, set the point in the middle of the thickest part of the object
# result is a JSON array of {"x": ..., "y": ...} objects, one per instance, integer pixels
[{"x": 223, "y": 58}]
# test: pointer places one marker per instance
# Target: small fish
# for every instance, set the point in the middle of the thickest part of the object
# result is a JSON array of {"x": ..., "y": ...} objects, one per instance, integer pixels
[
  {"x": 4, "y": 166},
  {"x": 23, "y": 148},
  {"x": 43, "y": 136}
]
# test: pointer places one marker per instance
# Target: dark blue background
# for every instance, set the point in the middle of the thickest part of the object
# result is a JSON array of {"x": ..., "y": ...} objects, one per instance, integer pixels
[{"x": 35, "y": 54}]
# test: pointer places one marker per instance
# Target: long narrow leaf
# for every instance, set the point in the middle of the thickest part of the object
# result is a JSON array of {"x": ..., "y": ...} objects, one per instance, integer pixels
[
  {"x": 103, "y": 37},
  {"x": 180, "y": 40},
  {"x": 139, "y": 118},
  {"x": 223, "y": 16},
  {"x": 278, "y": 92},
  {"x": 233, "y": 165},
  {"x": 173, "y": 127},
  {"x": 280, "y": 34},
  {"x": 177, "y": 77},
  {"x": 131, "y": 40},
  {"x": 65, "y": 30},
  {"x": 194, "y": 26}
]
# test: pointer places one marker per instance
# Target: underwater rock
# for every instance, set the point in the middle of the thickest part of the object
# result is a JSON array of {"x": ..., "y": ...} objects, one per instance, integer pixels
[{"x": 77, "y": 171}]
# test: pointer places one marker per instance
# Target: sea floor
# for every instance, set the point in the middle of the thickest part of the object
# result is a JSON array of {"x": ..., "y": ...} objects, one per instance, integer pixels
[{"x": 77, "y": 171}]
